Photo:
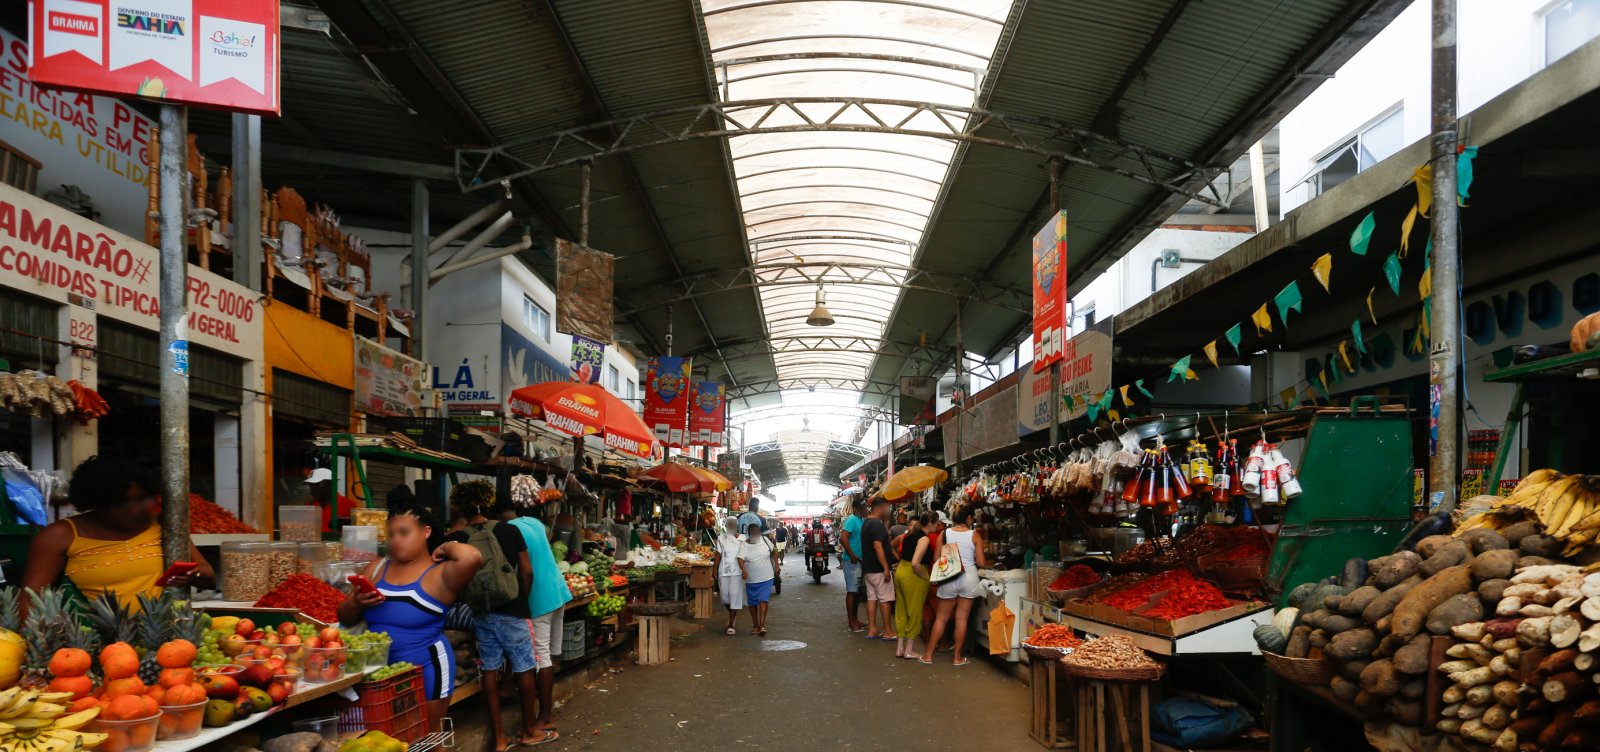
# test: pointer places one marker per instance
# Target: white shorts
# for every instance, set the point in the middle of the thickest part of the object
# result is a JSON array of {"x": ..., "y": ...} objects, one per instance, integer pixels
[
  {"x": 547, "y": 629},
  {"x": 964, "y": 586}
]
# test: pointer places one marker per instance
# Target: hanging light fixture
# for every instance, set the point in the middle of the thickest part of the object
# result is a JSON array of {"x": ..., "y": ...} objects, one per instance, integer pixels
[{"x": 819, "y": 315}]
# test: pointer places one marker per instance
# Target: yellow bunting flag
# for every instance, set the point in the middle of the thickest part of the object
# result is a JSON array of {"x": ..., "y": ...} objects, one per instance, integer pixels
[
  {"x": 1262, "y": 319},
  {"x": 1422, "y": 177},
  {"x": 1211, "y": 352},
  {"x": 1344, "y": 356},
  {"x": 1190, "y": 375},
  {"x": 1287, "y": 396},
  {"x": 1322, "y": 268},
  {"x": 1114, "y": 415},
  {"x": 1425, "y": 285},
  {"x": 1126, "y": 402},
  {"x": 1370, "y": 312},
  {"x": 1405, "y": 231}
]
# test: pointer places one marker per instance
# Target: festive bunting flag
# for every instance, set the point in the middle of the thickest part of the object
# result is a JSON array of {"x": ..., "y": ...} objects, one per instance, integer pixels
[
  {"x": 1391, "y": 272},
  {"x": 1262, "y": 320},
  {"x": 1371, "y": 312},
  {"x": 1344, "y": 356},
  {"x": 1464, "y": 173},
  {"x": 1093, "y": 409},
  {"x": 1113, "y": 415},
  {"x": 1180, "y": 369},
  {"x": 1211, "y": 352},
  {"x": 1288, "y": 299},
  {"x": 1232, "y": 335},
  {"x": 1355, "y": 329},
  {"x": 1422, "y": 178},
  {"x": 1126, "y": 402},
  {"x": 1322, "y": 268},
  {"x": 1425, "y": 285},
  {"x": 1405, "y": 231},
  {"x": 1140, "y": 386},
  {"x": 1338, "y": 373},
  {"x": 1322, "y": 381},
  {"x": 1105, "y": 400},
  {"x": 1362, "y": 235},
  {"x": 1190, "y": 375}
]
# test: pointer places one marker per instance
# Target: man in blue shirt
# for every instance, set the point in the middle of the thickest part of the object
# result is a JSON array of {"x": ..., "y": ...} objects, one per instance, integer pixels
[
  {"x": 547, "y": 600},
  {"x": 850, "y": 560},
  {"x": 751, "y": 517}
]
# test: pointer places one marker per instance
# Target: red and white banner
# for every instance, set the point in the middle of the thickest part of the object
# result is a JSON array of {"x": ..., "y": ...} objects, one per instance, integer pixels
[
  {"x": 1050, "y": 324},
  {"x": 211, "y": 53},
  {"x": 707, "y": 413},
  {"x": 666, "y": 399}
]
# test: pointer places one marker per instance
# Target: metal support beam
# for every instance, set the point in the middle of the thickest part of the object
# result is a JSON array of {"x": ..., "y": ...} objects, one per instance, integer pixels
[
  {"x": 174, "y": 341},
  {"x": 460, "y": 229},
  {"x": 419, "y": 268},
  {"x": 494, "y": 255},
  {"x": 244, "y": 231},
  {"x": 825, "y": 345},
  {"x": 1444, "y": 357},
  {"x": 478, "y": 241},
  {"x": 1044, "y": 136}
]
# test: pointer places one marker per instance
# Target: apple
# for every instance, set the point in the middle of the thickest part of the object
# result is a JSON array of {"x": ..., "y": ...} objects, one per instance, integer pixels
[
  {"x": 286, "y": 628},
  {"x": 244, "y": 627},
  {"x": 312, "y": 642},
  {"x": 279, "y": 690},
  {"x": 332, "y": 644},
  {"x": 291, "y": 641},
  {"x": 257, "y": 635},
  {"x": 256, "y": 676},
  {"x": 232, "y": 645},
  {"x": 270, "y": 640},
  {"x": 328, "y": 634},
  {"x": 262, "y": 652}
]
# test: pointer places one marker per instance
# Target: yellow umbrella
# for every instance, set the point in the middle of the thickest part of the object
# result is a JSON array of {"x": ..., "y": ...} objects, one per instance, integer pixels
[
  {"x": 721, "y": 481},
  {"x": 915, "y": 479}
]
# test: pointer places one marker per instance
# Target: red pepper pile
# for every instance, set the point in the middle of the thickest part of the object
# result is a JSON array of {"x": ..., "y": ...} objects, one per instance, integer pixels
[
  {"x": 1249, "y": 548},
  {"x": 1186, "y": 596},
  {"x": 1076, "y": 576},
  {"x": 314, "y": 598}
]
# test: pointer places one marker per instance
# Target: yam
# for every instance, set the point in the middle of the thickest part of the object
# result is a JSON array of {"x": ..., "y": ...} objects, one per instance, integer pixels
[
  {"x": 1505, "y": 692},
  {"x": 1353, "y": 669},
  {"x": 1471, "y": 631},
  {"x": 1345, "y": 689},
  {"x": 1588, "y": 712},
  {"x": 1413, "y": 657},
  {"x": 1407, "y": 711},
  {"x": 1534, "y": 632},
  {"x": 1299, "y": 642},
  {"x": 1541, "y": 545},
  {"x": 1369, "y": 702},
  {"x": 1449, "y": 726},
  {"x": 1581, "y": 737},
  {"x": 1431, "y": 544},
  {"x": 1449, "y": 555},
  {"x": 1353, "y": 644},
  {"x": 1536, "y": 609},
  {"x": 1490, "y": 591},
  {"x": 1354, "y": 574},
  {"x": 1564, "y": 686},
  {"x": 1469, "y": 712},
  {"x": 1515, "y": 532},
  {"x": 1589, "y": 639},
  {"x": 1316, "y": 618},
  {"x": 1457, "y": 609},
  {"x": 1510, "y": 605},
  {"x": 1394, "y": 569},
  {"x": 1590, "y": 586},
  {"x": 1380, "y": 678},
  {"x": 1387, "y": 646},
  {"x": 1564, "y": 631},
  {"x": 1358, "y": 600},
  {"x": 1503, "y": 628},
  {"x": 1412, "y": 612},
  {"x": 1453, "y": 695},
  {"x": 1384, "y": 604},
  {"x": 1559, "y": 661},
  {"x": 1484, "y": 539},
  {"x": 1496, "y": 716},
  {"x": 1319, "y": 639},
  {"x": 1482, "y": 694},
  {"x": 1494, "y": 564},
  {"x": 1470, "y": 650},
  {"x": 1535, "y": 561},
  {"x": 1414, "y": 689},
  {"x": 1336, "y": 623},
  {"x": 1472, "y": 677}
]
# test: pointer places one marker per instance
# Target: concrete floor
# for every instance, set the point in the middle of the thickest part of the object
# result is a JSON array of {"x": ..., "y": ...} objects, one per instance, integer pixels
[{"x": 807, "y": 685}]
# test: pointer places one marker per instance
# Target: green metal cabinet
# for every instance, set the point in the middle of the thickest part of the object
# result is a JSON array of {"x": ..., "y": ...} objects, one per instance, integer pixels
[{"x": 1356, "y": 477}]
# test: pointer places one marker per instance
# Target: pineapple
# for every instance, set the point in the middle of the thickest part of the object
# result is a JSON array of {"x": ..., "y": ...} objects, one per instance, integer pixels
[
  {"x": 111, "y": 620},
  {"x": 52, "y": 624},
  {"x": 8, "y": 609},
  {"x": 155, "y": 625}
]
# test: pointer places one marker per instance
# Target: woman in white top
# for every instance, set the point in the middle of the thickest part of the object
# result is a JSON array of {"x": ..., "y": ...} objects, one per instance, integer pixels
[
  {"x": 758, "y": 561},
  {"x": 729, "y": 580},
  {"x": 956, "y": 595}
]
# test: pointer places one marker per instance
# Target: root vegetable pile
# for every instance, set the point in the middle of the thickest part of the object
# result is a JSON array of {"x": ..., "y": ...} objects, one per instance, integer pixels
[
  {"x": 1053, "y": 636},
  {"x": 314, "y": 598},
  {"x": 1113, "y": 653}
]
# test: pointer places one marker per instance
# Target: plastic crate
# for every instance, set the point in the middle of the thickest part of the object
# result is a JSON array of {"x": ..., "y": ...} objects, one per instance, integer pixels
[
  {"x": 677, "y": 590},
  {"x": 574, "y": 637},
  {"x": 395, "y": 706}
]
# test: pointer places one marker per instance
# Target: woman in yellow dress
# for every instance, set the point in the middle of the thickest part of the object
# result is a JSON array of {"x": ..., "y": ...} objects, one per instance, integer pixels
[{"x": 113, "y": 544}]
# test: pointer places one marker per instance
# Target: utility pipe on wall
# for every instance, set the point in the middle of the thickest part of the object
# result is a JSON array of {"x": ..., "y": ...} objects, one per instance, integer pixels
[{"x": 1258, "y": 185}]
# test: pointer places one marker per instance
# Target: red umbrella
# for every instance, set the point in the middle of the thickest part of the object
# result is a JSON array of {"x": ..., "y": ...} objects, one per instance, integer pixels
[
  {"x": 583, "y": 409},
  {"x": 677, "y": 478}
]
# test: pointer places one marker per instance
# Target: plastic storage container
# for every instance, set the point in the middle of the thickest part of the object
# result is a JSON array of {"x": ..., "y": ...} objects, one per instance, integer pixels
[
  {"x": 337, "y": 573},
  {"x": 246, "y": 570},
  {"x": 128, "y": 736},
  {"x": 360, "y": 543},
  {"x": 300, "y": 523},
  {"x": 393, "y": 706},
  {"x": 327, "y": 726},
  {"x": 309, "y": 555},
  {"x": 284, "y": 561},
  {"x": 323, "y": 665},
  {"x": 180, "y": 721},
  {"x": 378, "y": 518}
]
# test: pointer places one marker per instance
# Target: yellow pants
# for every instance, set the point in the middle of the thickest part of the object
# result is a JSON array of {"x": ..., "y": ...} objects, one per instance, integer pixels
[{"x": 910, "y": 593}]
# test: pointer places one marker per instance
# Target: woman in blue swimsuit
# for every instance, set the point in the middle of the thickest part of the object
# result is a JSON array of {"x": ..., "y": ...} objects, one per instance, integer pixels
[{"x": 414, "y": 592}]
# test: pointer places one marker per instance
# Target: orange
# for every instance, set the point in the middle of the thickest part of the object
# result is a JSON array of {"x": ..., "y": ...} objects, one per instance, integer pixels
[
  {"x": 172, "y": 677},
  {"x": 119, "y": 660},
  {"x": 79, "y": 686},
  {"x": 126, "y": 708},
  {"x": 176, "y": 654},
  {"x": 128, "y": 685},
  {"x": 69, "y": 662}
]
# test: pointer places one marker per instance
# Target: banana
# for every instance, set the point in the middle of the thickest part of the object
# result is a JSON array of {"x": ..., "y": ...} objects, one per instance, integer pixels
[
  {"x": 1582, "y": 505},
  {"x": 9, "y": 696},
  {"x": 31, "y": 725},
  {"x": 77, "y": 720},
  {"x": 59, "y": 698},
  {"x": 1542, "y": 475},
  {"x": 21, "y": 706},
  {"x": 78, "y": 739},
  {"x": 1550, "y": 499},
  {"x": 46, "y": 710}
]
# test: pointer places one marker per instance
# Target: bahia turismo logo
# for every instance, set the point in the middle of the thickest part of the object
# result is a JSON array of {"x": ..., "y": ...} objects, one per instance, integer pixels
[
  {"x": 72, "y": 26},
  {"x": 232, "y": 49}
]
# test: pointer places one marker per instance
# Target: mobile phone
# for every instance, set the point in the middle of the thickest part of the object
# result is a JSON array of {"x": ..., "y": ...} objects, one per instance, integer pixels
[
  {"x": 363, "y": 584},
  {"x": 178, "y": 569}
]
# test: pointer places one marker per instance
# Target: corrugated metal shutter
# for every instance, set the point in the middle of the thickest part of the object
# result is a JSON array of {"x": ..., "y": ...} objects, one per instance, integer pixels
[
  {"x": 22, "y": 315},
  {"x": 382, "y": 476},
  {"x": 133, "y": 355},
  {"x": 295, "y": 396}
]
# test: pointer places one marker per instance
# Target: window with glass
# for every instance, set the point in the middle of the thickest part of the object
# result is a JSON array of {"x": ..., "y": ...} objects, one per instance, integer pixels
[
  {"x": 536, "y": 317},
  {"x": 1358, "y": 153},
  {"x": 1568, "y": 26},
  {"x": 613, "y": 379}
]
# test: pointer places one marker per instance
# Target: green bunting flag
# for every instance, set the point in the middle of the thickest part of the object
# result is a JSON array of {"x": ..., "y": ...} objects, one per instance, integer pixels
[
  {"x": 1289, "y": 299},
  {"x": 1464, "y": 173},
  {"x": 1140, "y": 386},
  {"x": 1232, "y": 335},
  {"x": 1362, "y": 235},
  {"x": 1093, "y": 409},
  {"x": 1180, "y": 369},
  {"x": 1391, "y": 272},
  {"x": 1355, "y": 329}
]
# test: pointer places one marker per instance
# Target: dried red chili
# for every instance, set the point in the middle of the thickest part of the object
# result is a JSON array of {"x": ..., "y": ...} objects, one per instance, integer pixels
[
  {"x": 1186, "y": 596},
  {"x": 1076, "y": 576},
  {"x": 313, "y": 597}
]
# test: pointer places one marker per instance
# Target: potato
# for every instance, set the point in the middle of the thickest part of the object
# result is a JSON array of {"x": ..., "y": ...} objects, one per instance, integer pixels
[
  {"x": 1450, "y": 554},
  {"x": 1490, "y": 591},
  {"x": 1514, "y": 533},
  {"x": 1541, "y": 545},
  {"x": 1345, "y": 689},
  {"x": 1319, "y": 639},
  {"x": 1353, "y": 644},
  {"x": 1299, "y": 642},
  {"x": 1353, "y": 669},
  {"x": 1336, "y": 623},
  {"x": 1431, "y": 544},
  {"x": 1380, "y": 678},
  {"x": 1412, "y": 612},
  {"x": 1393, "y": 570},
  {"x": 1382, "y": 605},
  {"x": 1413, "y": 658},
  {"x": 1358, "y": 599},
  {"x": 1484, "y": 539},
  {"x": 1457, "y": 609},
  {"x": 1496, "y": 564},
  {"x": 1406, "y": 711}
]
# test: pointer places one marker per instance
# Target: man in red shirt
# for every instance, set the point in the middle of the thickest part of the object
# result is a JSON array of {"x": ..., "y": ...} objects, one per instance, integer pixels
[{"x": 320, "y": 483}]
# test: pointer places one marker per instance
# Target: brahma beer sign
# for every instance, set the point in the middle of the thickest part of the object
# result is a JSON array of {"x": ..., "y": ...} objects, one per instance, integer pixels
[
  {"x": 212, "y": 53},
  {"x": 706, "y": 413},
  {"x": 1049, "y": 292},
  {"x": 666, "y": 398}
]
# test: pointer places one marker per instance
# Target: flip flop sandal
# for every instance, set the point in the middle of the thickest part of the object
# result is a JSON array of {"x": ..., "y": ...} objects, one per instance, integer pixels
[
  {"x": 925, "y": 661},
  {"x": 962, "y": 662},
  {"x": 732, "y": 631},
  {"x": 548, "y": 735}
]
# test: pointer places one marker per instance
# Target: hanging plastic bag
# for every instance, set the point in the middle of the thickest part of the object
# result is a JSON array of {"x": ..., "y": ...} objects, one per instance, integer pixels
[
  {"x": 1001, "y": 622},
  {"x": 26, "y": 499}
]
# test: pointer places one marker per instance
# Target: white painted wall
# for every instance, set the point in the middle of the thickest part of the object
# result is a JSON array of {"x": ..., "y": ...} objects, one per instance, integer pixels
[
  {"x": 1501, "y": 43},
  {"x": 1128, "y": 280}
]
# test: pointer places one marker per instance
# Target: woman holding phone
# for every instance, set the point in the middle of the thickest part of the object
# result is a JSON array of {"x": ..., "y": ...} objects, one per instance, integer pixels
[{"x": 413, "y": 590}]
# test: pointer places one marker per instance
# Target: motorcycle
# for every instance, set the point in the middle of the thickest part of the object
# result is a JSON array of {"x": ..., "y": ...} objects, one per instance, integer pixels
[{"x": 817, "y": 561}]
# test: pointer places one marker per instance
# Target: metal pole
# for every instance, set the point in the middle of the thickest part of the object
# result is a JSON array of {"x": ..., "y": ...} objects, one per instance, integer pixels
[
  {"x": 1444, "y": 313},
  {"x": 174, "y": 378},
  {"x": 961, "y": 361},
  {"x": 583, "y": 207},
  {"x": 1055, "y": 368},
  {"x": 1258, "y": 185},
  {"x": 245, "y": 229},
  {"x": 419, "y": 266}
]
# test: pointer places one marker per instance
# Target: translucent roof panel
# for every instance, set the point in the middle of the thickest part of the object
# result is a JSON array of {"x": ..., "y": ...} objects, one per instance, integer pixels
[{"x": 851, "y": 199}]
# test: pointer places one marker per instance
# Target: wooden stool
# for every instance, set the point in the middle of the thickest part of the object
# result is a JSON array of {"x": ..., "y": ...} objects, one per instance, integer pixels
[
  {"x": 1106, "y": 710},
  {"x": 1052, "y": 715},
  {"x": 655, "y": 639},
  {"x": 705, "y": 601}
]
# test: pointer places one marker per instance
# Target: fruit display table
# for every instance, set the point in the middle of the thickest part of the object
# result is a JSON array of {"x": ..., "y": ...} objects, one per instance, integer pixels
[{"x": 213, "y": 736}]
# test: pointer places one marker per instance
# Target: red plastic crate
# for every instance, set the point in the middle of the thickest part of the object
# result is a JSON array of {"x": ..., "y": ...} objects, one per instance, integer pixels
[{"x": 395, "y": 706}]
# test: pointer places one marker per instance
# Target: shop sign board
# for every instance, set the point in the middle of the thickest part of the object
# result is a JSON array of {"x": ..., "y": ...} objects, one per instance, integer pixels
[
  {"x": 1050, "y": 322},
  {"x": 583, "y": 290},
  {"x": 918, "y": 400},
  {"x": 729, "y": 464},
  {"x": 984, "y": 426},
  {"x": 387, "y": 382},
  {"x": 707, "y": 413},
  {"x": 50, "y": 252},
  {"x": 666, "y": 398},
  {"x": 588, "y": 359},
  {"x": 1085, "y": 371},
  {"x": 210, "y": 53}
]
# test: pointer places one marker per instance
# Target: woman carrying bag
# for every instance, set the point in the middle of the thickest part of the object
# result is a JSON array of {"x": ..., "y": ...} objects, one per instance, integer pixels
[
  {"x": 956, "y": 574},
  {"x": 758, "y": 563},
  {"x": 729, "y": 579}
]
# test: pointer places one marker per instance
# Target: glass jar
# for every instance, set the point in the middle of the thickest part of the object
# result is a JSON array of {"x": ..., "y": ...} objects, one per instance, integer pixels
[
  {"x": 246, "y": 571},
  {"x": 284, "y": 560}
]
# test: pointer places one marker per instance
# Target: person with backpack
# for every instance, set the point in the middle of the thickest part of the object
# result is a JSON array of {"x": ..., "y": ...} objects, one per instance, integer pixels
[
  {"x": 498, "y": 595},
  {"x": 547, "y": 601}
]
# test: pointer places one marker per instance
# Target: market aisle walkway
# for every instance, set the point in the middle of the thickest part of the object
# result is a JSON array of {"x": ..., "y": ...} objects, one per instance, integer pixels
[{"x": 808, "y": 685}]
